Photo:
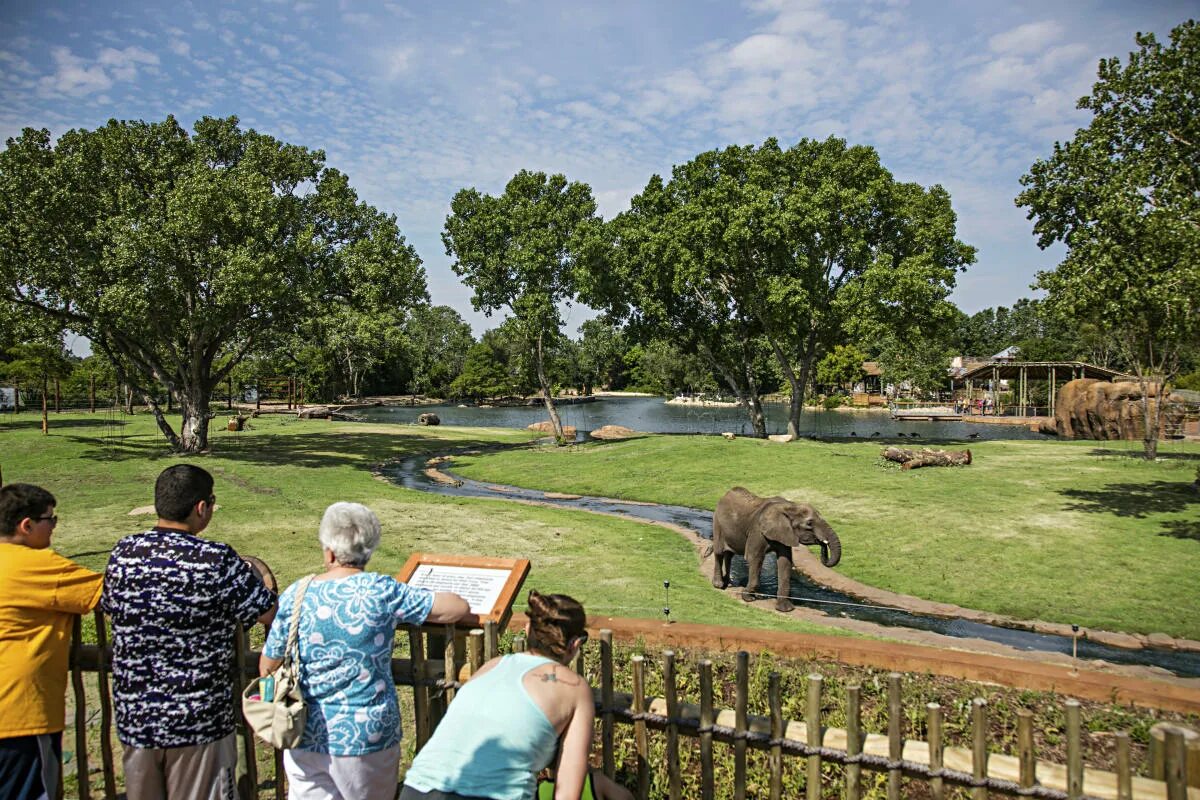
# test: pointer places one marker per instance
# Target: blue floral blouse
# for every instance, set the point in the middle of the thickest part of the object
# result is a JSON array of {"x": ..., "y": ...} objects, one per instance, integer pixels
[{"x": 345, "y": 643}]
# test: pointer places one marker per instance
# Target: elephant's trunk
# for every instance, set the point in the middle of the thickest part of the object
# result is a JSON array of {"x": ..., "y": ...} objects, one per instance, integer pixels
[{"x": 831, "y": 550}]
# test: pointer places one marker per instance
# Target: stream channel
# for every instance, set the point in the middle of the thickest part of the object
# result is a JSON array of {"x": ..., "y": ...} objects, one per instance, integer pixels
[{"x": 409, "y": 473}]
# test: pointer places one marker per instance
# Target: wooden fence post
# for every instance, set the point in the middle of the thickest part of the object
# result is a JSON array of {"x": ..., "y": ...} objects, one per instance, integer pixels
[
  {"x": 933, "y": 715},
  {"x": 475, "y": 650},
  {"x": 1124, "y": 767},
  {"x": 741, "y": 705},
  {"x": 639, "y": 727},
  {"x": 422, "y": 722},
  {"x": 979, "y": 749},
  {"x": 1074, "y": 750},
  {"x": 674, "y": 790},
  {"x": 895, "y": 735},
  {"x": 812, "y": 719},
  {"x": 854, "y": 741},
  {"x": 491, "y": 640},
  {"x": 1026, "y": 755},
  {"x": 1175, "y": 763},
  {"x": 248, "y": 783},
  {"x": 606, "y": 702},
  {"x": 81, "y": 745},
  {"x": 106, "y": 709},
  {"x": 707, "y": 786},
  {"x": 775, "y": 755}
]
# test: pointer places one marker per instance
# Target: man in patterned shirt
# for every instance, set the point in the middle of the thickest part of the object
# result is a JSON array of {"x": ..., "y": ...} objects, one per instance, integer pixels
[{"x": 174, "y": 599}]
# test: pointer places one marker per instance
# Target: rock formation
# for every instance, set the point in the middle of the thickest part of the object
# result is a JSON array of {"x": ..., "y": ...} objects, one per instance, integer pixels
[{"x": 1087, "y": 408}]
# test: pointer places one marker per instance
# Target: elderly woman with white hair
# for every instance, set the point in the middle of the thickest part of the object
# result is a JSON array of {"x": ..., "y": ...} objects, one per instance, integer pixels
[{"x": 348, "y": 618}]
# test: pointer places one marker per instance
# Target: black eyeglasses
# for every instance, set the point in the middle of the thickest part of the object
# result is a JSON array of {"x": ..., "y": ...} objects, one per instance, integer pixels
[
  {"x": 581, "y": 639},
  {"x": 52, "y": 519}
]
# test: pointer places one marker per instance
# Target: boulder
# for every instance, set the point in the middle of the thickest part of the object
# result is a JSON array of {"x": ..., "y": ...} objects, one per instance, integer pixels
[
  {"x": 613, "y": 432},
  {"x": 545, "y": 427},
  {"x": 429, "y": 418}
]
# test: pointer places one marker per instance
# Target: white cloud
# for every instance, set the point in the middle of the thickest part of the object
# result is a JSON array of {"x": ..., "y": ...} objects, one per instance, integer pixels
[
  {"x": 1004, "y": 75},
  {"x": 179, "y": 47},
  {"x": 357, "y": 18},
  {"x": 270, "y": 51},
  {"x": 397, "y": 61},
  {"x": 1031, "y": 37},
  {"x": 72, "y": 76}
]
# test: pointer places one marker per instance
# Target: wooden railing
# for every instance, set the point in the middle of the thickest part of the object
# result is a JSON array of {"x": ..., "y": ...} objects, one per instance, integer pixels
[{"x": 441, "y": 652}]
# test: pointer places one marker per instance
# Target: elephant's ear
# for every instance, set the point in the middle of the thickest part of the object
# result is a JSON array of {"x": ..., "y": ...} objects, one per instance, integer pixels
[{"x": 779, "y": 526}]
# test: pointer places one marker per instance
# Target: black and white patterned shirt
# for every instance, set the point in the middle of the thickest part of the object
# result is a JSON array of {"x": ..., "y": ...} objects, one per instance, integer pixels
[{"x": 174, "y": 599}]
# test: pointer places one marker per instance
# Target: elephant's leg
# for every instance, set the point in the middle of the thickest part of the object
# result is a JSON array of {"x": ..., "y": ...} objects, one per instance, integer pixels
[
  {"x": 756, "y": 548},
  {"x": 720, "y": 578},
  {"x": 783, "y": 570}
]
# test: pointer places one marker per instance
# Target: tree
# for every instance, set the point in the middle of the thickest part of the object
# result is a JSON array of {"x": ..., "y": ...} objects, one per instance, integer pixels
[
  {"x": 37, "y": 363},
  {"x": 484, "y": 371},
  {"x": 436, "y": 343},
  {"x": 602, "y": 349},
  {"x": 1124, "y": 197},
  {"x": 179, "y": 253},
  {"x": 787, "y": 251},
  {"x": 841, "y": 366},
  {"x": 519, "y": 251}
]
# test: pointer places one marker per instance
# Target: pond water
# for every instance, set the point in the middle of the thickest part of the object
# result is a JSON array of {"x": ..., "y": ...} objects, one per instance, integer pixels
[
  {"x": 653, "y": 415},
  {"x": 409, "y": 473}
]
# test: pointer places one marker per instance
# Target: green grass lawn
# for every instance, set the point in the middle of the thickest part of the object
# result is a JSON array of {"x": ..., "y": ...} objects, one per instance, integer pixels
[
  {"x": 1080, "y": 532},
  {"x": 1073, "y": 532},
  {"x": 274, "y": 482}
]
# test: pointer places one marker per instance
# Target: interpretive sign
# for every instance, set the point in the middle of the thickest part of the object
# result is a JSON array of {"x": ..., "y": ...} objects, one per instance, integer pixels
[{"x": 490, "y": 585}]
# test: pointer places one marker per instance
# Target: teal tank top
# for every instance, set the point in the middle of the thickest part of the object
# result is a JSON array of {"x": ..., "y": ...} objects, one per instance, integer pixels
[{"x": 492, "y": 741}]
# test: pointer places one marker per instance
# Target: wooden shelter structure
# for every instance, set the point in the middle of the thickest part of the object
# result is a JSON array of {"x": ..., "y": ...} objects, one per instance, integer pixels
[{"x": 1021, "y": 373}]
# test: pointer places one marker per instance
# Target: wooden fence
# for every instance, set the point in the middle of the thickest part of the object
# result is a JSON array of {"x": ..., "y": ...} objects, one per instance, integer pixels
[{"x": 435, "y": 654}]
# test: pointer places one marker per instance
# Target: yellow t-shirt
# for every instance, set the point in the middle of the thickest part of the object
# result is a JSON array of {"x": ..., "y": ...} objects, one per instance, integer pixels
[{"x": 40, "y": 593}]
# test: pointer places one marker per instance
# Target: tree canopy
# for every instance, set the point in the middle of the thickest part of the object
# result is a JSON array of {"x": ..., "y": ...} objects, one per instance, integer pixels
[
  {"x": 1124, "y": 197},
  {"x": 179, "y": 253},
  {"x": 750, "y": 252},
  {"x": 520, "y": 251}
]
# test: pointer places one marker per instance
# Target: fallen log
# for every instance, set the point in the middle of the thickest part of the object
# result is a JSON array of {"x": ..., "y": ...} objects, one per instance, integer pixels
[{"x": 912, "y": 459}]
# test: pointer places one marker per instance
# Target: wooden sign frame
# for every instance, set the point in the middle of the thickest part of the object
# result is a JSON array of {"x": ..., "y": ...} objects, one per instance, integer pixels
[{"x": 517, "y": 568}]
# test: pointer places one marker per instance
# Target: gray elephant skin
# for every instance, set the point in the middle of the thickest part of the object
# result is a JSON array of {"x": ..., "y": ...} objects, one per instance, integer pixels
[{"x": 750, "y": 526}]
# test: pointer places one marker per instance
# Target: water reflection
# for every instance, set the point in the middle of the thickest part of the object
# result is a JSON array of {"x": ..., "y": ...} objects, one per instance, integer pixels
[{"x": 652, "y": 415}]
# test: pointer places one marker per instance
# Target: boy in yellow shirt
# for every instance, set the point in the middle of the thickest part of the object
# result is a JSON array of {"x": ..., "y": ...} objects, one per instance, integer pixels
[{"x": 40, "y": 594}]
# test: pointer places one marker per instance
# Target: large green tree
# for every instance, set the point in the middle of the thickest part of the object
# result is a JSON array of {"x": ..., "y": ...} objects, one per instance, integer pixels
[
  {"x": 789, "y": 250},
  {"x": 436, "y": 340},
  {"x": 521, "y": 252},
  {"x": 1124, "y": 197},
  {"x": 178, "y": 253}
]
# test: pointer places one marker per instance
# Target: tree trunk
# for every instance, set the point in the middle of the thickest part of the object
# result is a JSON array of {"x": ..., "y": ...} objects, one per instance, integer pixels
[
  {"x": 45, "y": 416},
  {"x": 193, "y": 410},
  {"x": 160, "y": 420},
  {"x": 57, "y": 397},
  {"x": 555, "y": 422},
  {"x": 1150, "y": 421},
  {"x": 912, "y": 459}
]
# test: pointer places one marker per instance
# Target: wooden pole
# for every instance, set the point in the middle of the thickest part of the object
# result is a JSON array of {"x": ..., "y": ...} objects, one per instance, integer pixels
[
  {"x": 854, "y": 741},
  {"x": 670, "y": 691},
  {"x": 106, "y": 709},
  {"x": 92, "y": 393},
  {"x": 812, "y": 720},
  {"x": 1026, "y": 755},
  {"x": 895, "y": 735},
  {"x": 933, "y": 715},
  {"x": 491, "y": 640},
  {"x": 81, "y": 746},
  {"x": 229, "y": 396},
  {"x": 1175, "y": 763},
  {"x": 416, "y": 646},
  {"x": 775, "y": 754},
  {"x": 1074, "y": 750},
  {"x": 641, "y": 742},
  {"x": 475, "y": 650},
  {"x": 1124, "y": 767},
  {"x": 57, "y": 397},
  {"x": 707, "y": 790},
  {"x": 45, "y": 414},
  {"x": 741, "y": 705},
  {"x": 606, "y": 702},
  {"x": 979, "y": 749}
]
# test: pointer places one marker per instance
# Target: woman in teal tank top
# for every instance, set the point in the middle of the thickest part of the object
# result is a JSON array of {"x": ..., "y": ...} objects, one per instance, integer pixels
[{"x": 515, "y": 716}]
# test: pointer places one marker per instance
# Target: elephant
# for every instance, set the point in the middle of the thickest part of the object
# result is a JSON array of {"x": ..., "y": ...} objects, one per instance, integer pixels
[{"x": 749, "y": 525}]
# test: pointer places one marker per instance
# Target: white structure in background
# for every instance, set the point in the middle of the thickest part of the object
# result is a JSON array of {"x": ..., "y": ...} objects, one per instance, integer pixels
[{"x": 8, "y": 398}]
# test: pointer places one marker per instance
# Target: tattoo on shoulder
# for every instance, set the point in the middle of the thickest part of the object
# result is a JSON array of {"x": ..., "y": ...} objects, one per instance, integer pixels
[
  {"x": 548, "y": 677},
  {"x": 553, "y": 677}
]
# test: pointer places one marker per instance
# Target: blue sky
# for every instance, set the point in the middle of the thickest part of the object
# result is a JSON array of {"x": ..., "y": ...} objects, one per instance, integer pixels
[{"x": 417, "y": 100}]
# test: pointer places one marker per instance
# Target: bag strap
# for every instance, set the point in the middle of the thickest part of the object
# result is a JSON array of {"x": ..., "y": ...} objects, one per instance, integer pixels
[{"x": 291, "y": 652}]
